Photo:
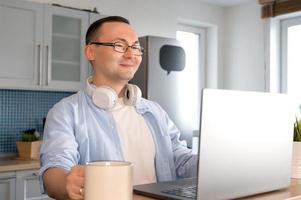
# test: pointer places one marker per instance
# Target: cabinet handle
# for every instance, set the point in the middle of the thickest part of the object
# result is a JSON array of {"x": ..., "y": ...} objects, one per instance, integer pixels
[
  {"x": 40, "y": 63},
  {"x": 47, "y": 64}
]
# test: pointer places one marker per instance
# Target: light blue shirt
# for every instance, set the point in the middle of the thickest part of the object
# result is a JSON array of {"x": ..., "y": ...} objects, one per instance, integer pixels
[{"x": 77, "y": 132}]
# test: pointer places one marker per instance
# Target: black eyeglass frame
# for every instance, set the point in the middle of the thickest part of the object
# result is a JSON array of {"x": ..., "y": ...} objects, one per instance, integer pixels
[{"x": 115, "y": 45}]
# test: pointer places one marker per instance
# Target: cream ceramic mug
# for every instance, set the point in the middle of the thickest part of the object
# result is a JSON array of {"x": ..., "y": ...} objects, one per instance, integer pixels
[{"x": 108, "y": 180}]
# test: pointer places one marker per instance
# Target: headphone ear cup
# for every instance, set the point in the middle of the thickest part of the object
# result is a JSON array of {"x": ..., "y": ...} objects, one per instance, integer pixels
[
  {"x": 104, "y": 97},
  {"x": 132, "y": 94}
]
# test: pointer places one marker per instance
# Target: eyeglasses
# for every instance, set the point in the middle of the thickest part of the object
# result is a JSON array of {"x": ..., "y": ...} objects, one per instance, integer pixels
[{"x": 122, "y": 47}]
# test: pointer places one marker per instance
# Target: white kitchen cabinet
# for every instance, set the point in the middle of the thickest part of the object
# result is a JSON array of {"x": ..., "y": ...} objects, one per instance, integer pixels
[
  {"x": 20, "y": 43},
  {"x": 41, "y": 46},
  {"x": 28, "y": 186},
  {"x": 21, "y": 185},
  {"x": 7, "y": 186},
  {"x": 64, "y": 38}
]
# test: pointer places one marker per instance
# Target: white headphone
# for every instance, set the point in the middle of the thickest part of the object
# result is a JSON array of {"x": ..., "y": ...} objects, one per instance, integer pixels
[{"x": 105, "y": 97}]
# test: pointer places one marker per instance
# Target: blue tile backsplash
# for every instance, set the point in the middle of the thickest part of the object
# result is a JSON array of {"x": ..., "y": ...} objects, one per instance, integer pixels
[{"x": 21, "y": 110}]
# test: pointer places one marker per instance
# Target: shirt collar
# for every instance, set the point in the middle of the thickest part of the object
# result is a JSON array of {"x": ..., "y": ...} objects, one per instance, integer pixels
[{"x": 142, "y": 107}]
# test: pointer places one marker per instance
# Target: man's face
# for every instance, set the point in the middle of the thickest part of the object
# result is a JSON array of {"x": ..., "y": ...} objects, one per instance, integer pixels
[{"x": 112, "y": 66}]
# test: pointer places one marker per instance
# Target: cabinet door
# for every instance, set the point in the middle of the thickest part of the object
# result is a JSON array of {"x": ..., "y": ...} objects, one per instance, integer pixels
[
  {"x": 64, "y": 36},
  {"x": 28, "y": 186},
  {"x": 7, "y": 186},
  {"x": 20, "y": 43}
]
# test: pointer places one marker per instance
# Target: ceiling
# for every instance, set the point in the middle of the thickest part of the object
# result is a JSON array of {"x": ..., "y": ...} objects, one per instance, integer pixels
[{"x": 227, "y": 3}]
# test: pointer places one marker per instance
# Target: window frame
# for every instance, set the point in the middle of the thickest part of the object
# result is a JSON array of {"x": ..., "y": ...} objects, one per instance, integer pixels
[
  {"x": 284, "y": 25},
  {"x": 202, "y": 48}
]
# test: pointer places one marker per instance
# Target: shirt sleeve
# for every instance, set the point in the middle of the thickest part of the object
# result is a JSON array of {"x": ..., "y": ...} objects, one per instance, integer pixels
[
  {"x": 59, "y": 147},
  {"x": 186, "y": 163}
]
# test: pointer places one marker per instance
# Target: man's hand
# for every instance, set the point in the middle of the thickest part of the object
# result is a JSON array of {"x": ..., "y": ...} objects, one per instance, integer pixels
[
  {"x": 61, "y": 184},
  {"x": 75, "y": 182}
]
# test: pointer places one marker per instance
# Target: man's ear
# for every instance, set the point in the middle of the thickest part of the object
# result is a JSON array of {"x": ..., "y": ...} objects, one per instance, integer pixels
[{"x": 89, "y": 52}]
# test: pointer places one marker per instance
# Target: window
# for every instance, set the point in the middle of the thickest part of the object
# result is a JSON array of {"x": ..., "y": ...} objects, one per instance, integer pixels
[
  {"x": 290, "y": 57},
  {"x": 193, "y": 42}
]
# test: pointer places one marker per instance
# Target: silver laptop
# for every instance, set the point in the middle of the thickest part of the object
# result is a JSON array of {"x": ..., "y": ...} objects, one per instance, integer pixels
[{"x": 245, "y": 148}]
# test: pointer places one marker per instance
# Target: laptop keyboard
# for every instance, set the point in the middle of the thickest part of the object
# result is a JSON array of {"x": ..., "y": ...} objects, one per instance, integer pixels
[{"x": 188, "y": 192}]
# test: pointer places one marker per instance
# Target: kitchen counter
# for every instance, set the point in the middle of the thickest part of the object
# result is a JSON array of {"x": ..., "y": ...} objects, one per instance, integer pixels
[{"x": 15, "y": 164}]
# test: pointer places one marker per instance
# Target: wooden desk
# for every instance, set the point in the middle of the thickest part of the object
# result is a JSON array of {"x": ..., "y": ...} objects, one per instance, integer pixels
[{"x": 291, "y": 193}]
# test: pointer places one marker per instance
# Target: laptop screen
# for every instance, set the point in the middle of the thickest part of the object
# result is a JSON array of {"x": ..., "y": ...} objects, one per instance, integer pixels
[{"x": 245, "y": 143}]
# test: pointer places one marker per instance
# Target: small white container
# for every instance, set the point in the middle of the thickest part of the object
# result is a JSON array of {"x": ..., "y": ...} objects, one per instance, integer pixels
[{"x": 296, "y": 160}]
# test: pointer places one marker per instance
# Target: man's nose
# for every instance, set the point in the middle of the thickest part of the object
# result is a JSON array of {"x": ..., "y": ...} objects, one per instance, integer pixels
[{"x": 128, "y": 53}]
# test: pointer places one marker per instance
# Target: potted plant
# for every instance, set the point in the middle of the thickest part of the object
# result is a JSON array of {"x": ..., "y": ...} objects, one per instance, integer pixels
[
  {"x": 29, "y": 146},
  {"x": 296, "y": 162}
]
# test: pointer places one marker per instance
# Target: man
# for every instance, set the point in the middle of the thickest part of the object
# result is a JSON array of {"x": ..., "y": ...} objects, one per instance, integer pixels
[{"x": 99, "y": 123}]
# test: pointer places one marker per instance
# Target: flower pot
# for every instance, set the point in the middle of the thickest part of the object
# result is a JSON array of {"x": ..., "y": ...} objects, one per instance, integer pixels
[
  {"x": 296, "y": 161},
  {"x": 29, "y": 150}
]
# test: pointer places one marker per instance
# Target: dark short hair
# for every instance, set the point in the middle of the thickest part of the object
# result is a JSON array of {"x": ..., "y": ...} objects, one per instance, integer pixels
[{"x": 95, "y": 26}]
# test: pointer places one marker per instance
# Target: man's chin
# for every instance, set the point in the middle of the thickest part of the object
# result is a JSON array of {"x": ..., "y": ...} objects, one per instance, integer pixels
[
  {"x": 128, "y": 76},
  {"x": 125, "y": 79}
]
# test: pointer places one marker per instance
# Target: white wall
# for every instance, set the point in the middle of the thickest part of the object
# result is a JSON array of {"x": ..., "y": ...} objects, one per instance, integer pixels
[{"x": 244, "y": 49}]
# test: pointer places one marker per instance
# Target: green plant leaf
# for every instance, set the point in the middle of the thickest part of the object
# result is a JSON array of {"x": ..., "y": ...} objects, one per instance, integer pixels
[
  {"x": 297, "y": 129},
  {"x": 29, "y": 135}
]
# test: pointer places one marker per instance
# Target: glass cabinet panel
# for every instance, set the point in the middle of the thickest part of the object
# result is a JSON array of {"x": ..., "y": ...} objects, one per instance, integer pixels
[{"x": 66, "y": 51}]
